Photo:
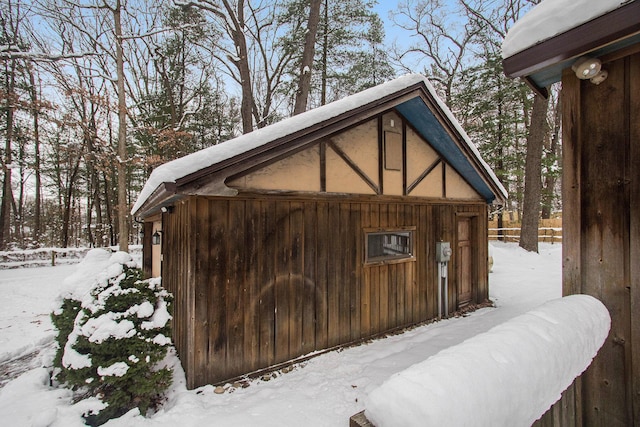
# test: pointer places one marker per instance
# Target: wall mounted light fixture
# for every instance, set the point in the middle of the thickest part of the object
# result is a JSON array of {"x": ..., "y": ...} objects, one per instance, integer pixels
[
  {"x": 589, "y": 69},
  {"x": 166, "y": 209},
  {"x": 155, "y": 238}
]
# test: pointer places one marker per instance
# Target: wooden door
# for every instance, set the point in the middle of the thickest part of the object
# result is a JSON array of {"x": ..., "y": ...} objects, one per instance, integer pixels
[{"x": 464, "y": 262}]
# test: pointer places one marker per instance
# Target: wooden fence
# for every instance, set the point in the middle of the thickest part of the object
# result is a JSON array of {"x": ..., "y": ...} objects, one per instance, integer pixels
[{"x": 549, "y": 230}]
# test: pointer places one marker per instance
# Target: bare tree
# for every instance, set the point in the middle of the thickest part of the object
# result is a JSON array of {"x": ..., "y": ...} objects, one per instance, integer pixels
[
  {"x": 231, "y": 18},
  {"x": 444, "y": 43},
  {"x": 11, "y": 19},
  {"x": 304, "y": 82},
  {"x": 123, "y": 206}
]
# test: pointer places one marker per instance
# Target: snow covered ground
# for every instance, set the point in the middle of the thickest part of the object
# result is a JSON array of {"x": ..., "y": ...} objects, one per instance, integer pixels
[{"x": 325, "y": 391}]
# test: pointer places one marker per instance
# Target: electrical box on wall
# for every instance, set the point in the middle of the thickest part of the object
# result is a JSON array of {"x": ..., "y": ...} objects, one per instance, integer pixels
[{"x": 443, "y": 251}]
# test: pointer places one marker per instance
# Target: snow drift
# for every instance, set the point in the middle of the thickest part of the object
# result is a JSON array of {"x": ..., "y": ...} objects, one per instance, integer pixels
[{"x": 509, "y": 375}]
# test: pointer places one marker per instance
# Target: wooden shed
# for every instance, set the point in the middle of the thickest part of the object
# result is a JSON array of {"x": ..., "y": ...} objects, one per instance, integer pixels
[
  {"x": 318, "y": 231},
  {"x": 600, "y": 185}
]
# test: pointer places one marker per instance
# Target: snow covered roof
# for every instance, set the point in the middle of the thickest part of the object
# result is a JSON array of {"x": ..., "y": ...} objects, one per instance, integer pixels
[
  {"x": 552, "y": 17},
  {"x": 167, "y": 180},
  {"x": 555, "y": 32}
]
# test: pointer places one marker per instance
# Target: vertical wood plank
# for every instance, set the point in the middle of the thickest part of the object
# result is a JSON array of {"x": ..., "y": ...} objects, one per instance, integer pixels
[
  {"x": 266, "y": 273},
  {"x": 392, "y": 215},
  {"x": 333, "y": 269},
  {"x": 380, "y": 156},
  {"x": 202, "y": 333},
  {"x": 421, "y": 257},
  {"x": 571, "y": 197},
  {"x": 384, "y": 297},
  {"x": 297, "y": 283},
  {"x": 343, "y": 273},
  {"x": 236, "y": 289},
  {"x": 392, "y": 295},
  {"x": 325, "y": 234},
  {"x": 365, "y": 284},
  {"x": 251, "y": 305},
  {"x": 605, "y": 232},
  {"x": 634, "y": 230},
  {"x": 355, "y": 263},
  {"x": 281, "y": 283},
  {"x": 309, "y": 254},
  {"x": 571, "y": 183},
  {"x": 216, "y": 302},
  {"x": 426, "y": 279},
  {"x": 401, "y": 291}
]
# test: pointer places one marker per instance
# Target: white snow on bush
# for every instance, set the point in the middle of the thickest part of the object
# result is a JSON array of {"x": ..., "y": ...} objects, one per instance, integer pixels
[
  {"x": 160, "y": 339},
  {"x": 118, "y": 369},
  {"x": 509, "y": 375},
  {"x": 159, "y": 319},
  {"x": 142, "y": 310},
  {"x": 551, "y": 18},
  {"x": 72, "y": 359},
  {"x": 98, "y": 329},
  {"x": 95, "y": 269}
]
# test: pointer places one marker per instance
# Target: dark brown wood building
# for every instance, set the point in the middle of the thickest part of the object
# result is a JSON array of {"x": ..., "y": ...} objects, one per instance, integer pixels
[
  {"x": 318, "y": 231},
  {"x": 601, "y": 195}
]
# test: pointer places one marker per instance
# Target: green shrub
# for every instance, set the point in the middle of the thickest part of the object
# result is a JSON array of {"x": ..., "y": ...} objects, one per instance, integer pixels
[
  {"x": 112, "y": 342},
  {"x": 62, "y": 320}
]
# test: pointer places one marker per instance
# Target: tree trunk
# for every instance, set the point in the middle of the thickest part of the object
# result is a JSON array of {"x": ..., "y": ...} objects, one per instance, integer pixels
[
  {"x": 304, "y": 83},
  {"x": 68, "y": 204},
  {"x": 37, "y": 212},
  {"x": 7, "y": 193},
  {"x": 551, "y": 178},
  {"x": 242, "y": 63},
  {"x": 532, "y": 182},
  {"x": 123, "y": 210},
  {"x": 325, "y": 53}
]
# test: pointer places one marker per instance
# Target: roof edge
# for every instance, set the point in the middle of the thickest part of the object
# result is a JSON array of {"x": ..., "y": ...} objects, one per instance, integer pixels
[{"x": 616, "y": 25}]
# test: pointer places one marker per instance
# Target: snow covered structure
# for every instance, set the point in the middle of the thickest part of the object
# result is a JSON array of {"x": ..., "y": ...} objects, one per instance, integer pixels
[
  {"x": 593, "y": 48},
  {"x": 319, "y": 230},
  {"x": 492, "y": 372}
]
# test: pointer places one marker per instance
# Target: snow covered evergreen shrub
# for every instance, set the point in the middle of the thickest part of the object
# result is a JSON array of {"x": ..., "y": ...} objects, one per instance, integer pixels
[
  {"x": 62, "y": 320},
  {"x": 116, "y": 338}
]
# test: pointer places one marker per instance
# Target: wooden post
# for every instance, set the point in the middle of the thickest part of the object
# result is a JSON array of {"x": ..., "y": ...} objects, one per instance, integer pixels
[
  {"x": 600, "y": 247},
  {"x": 53, "y": 258}
]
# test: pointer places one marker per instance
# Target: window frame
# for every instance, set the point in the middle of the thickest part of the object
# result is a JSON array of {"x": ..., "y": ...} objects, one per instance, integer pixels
[{"x": 389, "y": 259}]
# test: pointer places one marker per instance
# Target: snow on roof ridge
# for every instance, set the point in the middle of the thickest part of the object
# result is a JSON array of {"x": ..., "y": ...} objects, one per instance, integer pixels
[
  {"x": 550, "y": 18},
  {"x": 178, "y": 168},
  {"x": 191, "y": 163}
]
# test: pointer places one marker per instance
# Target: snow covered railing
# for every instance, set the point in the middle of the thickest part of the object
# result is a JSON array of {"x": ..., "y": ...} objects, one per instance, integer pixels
[
  {"x": 49, "y": 256},
  {"x": 510, "y": 375}
]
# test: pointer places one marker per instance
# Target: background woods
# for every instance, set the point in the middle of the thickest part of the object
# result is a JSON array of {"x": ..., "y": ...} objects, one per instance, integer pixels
[{"x": 95, "y": 94}]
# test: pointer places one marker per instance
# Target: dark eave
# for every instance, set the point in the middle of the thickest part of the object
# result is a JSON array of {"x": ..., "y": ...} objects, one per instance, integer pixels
[{"x": 542, "y": 64}]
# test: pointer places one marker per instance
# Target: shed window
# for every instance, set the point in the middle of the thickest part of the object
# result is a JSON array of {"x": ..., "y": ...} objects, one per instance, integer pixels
[{"x": 389, "y": 245}]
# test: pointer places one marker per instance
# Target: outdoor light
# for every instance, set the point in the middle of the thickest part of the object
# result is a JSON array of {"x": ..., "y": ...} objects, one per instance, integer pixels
[
  {"x": 166, "y": 209},
  {"x": 590, "y": 69},
  {"x": 586, "y": 68},
  {"x": 155, "y": 238},
  {"x": 600, "y": 77}
]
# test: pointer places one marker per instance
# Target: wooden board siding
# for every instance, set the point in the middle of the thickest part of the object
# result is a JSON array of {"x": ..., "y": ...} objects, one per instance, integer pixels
[
  {"x": 147, "y": 256},
  {"x": 179, "y": 281},
  {"x": 600, "y": 244},
  {"x": 260, "y": 280}
]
